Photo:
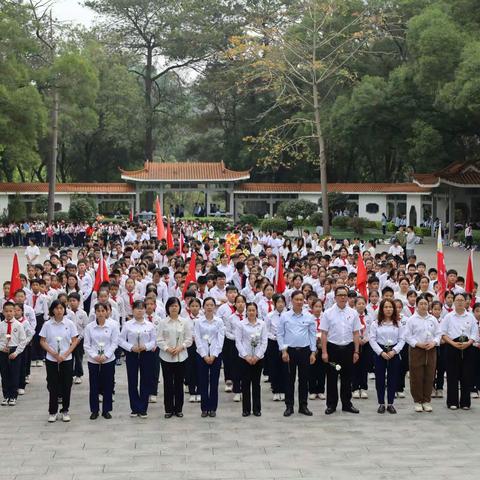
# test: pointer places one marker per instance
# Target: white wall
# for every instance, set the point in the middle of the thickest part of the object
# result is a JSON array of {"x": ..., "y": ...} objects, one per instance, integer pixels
[
  {"x": 64, "y": 200},
  {"x": 364, "y": 200},
  {"x": 310, "y": 197},
  {"x": 414, "y": 201},
  {"x": 3, "y": 203}
]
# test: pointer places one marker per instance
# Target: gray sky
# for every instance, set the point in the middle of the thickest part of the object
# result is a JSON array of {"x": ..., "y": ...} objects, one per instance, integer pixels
[{"x": 73, "y": 11}]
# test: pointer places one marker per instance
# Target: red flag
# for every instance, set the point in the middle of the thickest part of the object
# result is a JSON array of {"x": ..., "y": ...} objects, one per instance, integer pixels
[
  {"x": 160, "y": 226},
  {"x": 441, "y": 270},
  {"x": 101, "y": 275},
  {"x": 280, "y": 284},
  {"x": 170, "y": 243},
  {"x": 361, "y": 277},
  {"x": 15, "y": 282},
  {"x": 469, "y": 281},
  {"x": 191, "y": 277},
  {"x": 130, "y": 215}
]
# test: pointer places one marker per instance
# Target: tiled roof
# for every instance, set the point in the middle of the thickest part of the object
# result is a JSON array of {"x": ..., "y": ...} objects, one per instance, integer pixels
[
  {"x": 68, "y": 187},
  {"x": 332, "y": 187},
  {"x": 457, "y": 173},
  {"x": 185, "y": 172}
]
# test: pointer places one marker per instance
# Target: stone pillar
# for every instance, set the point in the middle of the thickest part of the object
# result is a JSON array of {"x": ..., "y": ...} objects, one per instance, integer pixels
[
  {"x": 137, "y": 200},
  {"x": 451, "y": 213}
]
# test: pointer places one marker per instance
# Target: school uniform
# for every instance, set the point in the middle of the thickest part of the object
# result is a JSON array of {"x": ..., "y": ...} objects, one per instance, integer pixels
[
  {"x": 384, "y": 338},
  {"x": 136, "y": 333},
  {"x": 81, "y": 320},
  {"x": 155, "y": 321},
  {"x": 277, "y": 368},
  {"x": 59, "y": 336},
  {"x": 317, "y": 371},
  {"x": 191, "y": 369},
  {"x": 101, "y": 340},
  {"x": 422, "y": 362},
  {"x": 174, "y": 333},
  {"x": 38, "y": 309},
  {"x": 224, "y": 312},
  {"x": 230, "y": 349},
  {"x": 459, "y": 363},
  {"x": 209, "y": 337},
  {"x": 25, "y": 357},
  {"x": 365, "y": 360},
  {"x": 251, "y": 340},
  {"x": 12, "y": 340}
]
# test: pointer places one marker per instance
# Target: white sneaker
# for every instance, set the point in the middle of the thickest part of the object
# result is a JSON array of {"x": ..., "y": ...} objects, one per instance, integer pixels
[
  {"x": 39, "y": 363},
  {"x": 4, "y": 402},
  {"x": 282, "y": 397},
  {"x": 371, "y": 376},
  {"x": 312, "y": 396},
  {"x": 77, "y": 380},
  {"x": 418, "y": 407},
  {"x": 463, "y": 408},
  {"x": 356, "y": 394},
  {"x": 228, "y": 388},
  {"x": 237, "y": 397},
  {"x": 192, "y": 399},
  {"x": 52, "y": 418},
  {"x": 439, "y": 393},
  {"x": 427, "y": 407},
  {"x": 65, "y": 417},
  {"x": 21, "y": 391},
  {"x": 321, "y": 396},
  {"x": 276, "y": 397},
  {"x": 152, "y": 399},
  {"x": 434, "y": 394},
  {"x": 12, "y": 402},
  {"x": 27, "y": 379},
  {"x": 401, "y": 394},
  {"x": 185, "y": 389},
  {"x": 198, "y": 399},
  {"x": 452, "y": 407},
  {"x": 475, "y": 395},
  {"x": 113, "y": 398},
  {"x": 33, "y": 364},
  {"x": 100, "y": 398},
  {"x": 363, "y": 394}
]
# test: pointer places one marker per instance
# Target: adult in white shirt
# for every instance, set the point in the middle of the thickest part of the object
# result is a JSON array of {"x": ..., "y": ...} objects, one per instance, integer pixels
[
  {"x": 58, "y": 337},
  {"x": 396, "y": 250},
  {"x": 459, "y": 332},
  {"x": 251, "y": 340},
  {"x": 32, "y": 252},
  {"x": 100, "y": 343},
  {"x": 209, "y": 337}
]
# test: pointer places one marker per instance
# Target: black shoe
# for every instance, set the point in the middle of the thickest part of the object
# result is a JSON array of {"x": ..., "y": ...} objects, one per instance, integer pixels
[
  {"x": 305, "y": 411},
  {"x": 381, "y": 409},
  {"x": 204, "y": 414},
  {"x": 107, "y": 415},
  {"x": 94, "y": 416},
  {"x": 246, "y": 414},
  {"x": 179, "y": 414},
  {"x": 212, "y": 414},
  {"x": 351, "y": 409},
  {"x": 168, "y": 415},
  {"x": 288, "y": 411},
  {"x": 391, "y": 409},
  {"x": 257, "y": 414},
  {"x": 330, "y": 410}
]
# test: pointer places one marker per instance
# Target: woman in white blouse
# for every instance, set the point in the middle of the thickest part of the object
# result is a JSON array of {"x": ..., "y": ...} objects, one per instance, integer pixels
[
  {"x": 209, "y": 337},
  {"x": 251, "y": 341},
  {"x": 174, "y": 338},
  {"x": 100, "y": 342},
  {"x": 137, "y": 338},
  {"x": 386, "y": 340}
]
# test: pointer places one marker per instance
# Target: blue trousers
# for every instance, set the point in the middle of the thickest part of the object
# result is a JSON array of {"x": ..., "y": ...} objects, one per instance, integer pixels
[
  {"x": 156, "y": 371},
  {"x": 143, "y": 363},
  {"x": 392, "y": 370},
  {"x": 208, "y": 376},
  {"x": 101, "y": 379}
]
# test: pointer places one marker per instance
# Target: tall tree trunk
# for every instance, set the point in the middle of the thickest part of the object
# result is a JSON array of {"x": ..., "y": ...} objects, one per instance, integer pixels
[
  {"x": 149, "y": 114},
  {"x": 323, "y": 161},
  {"x": 52, "y": 167}
]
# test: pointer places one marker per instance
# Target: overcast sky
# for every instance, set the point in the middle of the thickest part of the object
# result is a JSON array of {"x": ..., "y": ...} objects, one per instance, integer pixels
[{"x": 73, "y": 11}]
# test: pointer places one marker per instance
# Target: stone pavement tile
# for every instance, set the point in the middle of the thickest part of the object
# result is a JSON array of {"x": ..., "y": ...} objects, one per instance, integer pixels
[{"x": 283, "y": 473}]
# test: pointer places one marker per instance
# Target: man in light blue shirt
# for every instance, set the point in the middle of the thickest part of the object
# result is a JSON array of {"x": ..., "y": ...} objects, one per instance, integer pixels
[{"x": 297, "y": 340}]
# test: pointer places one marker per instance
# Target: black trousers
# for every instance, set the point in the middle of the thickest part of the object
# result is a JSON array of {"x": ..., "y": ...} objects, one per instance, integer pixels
[
  {"x": 10, "y": 372},
  {"x": 251, "y": 393},
  {"x": 173, "y": 378},
  {"x": 101, "y": 379},
  {"x": 78, "y": 359},
  {"x": 476, "y": 370},
  {"x": 191, "y": 371},
  {"x": 360, "y": 369},
  {"x": 404, "y": 368},
  {"x": 278, "y": 368},
  {"x": 343, "y": 356},
  {"x": 156, "y": 371},
  {"x": 38, "y": 353},
  {"x": 459, "y": 364},
  {"x": 299, "y": 359},
  {"x": 59, "y": 384},
  {"x": 316, "y": 375},
  {"x": 440, "y": 374}
]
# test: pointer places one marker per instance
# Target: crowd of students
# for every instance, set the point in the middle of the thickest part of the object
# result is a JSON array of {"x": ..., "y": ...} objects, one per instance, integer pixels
[{"x": 236, "y": 315}]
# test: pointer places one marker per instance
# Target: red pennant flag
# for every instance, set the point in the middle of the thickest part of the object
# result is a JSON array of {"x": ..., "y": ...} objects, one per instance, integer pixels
[
  {"x": 101, "y": 275},
  {"x": 191, "y": 276},
  {"x": 441, "y": 270},
  {"x": 280, "y": 284},
  {"x": 15, "y": 282},
  {"x": 361, "y": 277},
  {"x": 170, "y": 243},
  {"x": 160, "y": 226},
  {"x": 469, "y": 281}
]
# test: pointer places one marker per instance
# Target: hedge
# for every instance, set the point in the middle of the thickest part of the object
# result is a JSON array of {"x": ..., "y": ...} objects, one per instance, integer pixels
[
  {"x": 341, "y": 222},
  {"x": 277, "y": 224},
  {"x": 249, "y": 219},
  {"x": 422, "y": 231}
]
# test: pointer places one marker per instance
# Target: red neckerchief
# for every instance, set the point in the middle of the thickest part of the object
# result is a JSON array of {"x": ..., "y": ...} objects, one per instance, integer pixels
[
  {"x": 130, "y": 298},
  {"x": 9, "y": 327},
  {"x": 412, "y": 309}
]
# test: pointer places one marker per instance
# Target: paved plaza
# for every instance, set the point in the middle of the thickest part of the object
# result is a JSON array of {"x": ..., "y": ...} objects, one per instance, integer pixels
[{"x": 440, "y": 445}]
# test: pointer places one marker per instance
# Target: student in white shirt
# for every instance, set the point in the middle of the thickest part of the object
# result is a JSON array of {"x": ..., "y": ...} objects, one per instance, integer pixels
[
  {"x": 25, "y": 357},
  {"x": 32, "y": 252},
  {"x": 251, "y": 341},
  {"x": 58, "y": 338},
  {"x": 209, "y": 336},
  {"x": 100, "y": 343}
]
